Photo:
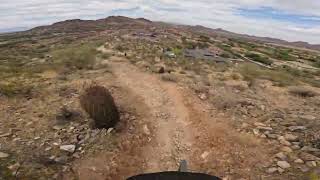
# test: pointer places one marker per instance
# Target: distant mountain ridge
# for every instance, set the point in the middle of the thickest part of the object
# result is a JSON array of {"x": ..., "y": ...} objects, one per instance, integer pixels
[{"x": 78, "y": 25}]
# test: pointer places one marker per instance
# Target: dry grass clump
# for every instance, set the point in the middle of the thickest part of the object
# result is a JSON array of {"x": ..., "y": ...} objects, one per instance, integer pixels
[
  {"x": 302, "y": 91},
  {"x": 170, "y": 77},
  {"x": 15, "y": 89},
  {"x": 99, "y": 104}
]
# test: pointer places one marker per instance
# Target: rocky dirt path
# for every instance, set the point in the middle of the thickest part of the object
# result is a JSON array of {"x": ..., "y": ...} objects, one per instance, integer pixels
[
  {"x": 168, "y": 117},
  {"x": 176, "y": 125}
]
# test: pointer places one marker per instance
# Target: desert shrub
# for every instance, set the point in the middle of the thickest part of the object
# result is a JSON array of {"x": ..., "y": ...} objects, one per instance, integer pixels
[
  {"x": 99, "y": 104},
  {"x": 259, "y": 58},
  {"x": 169, "y": 77},
  {"x": 225, "y": 100},
  {"x": 302, "y": 91},
  {"x": 121, "y": 48},
  {"x": 225, "y": 55},
  {"x": 204, "y": 38},
  {"x": 284, "y": 55},
  {"x": 251, "y": 72},
  {"x": 317, "y": 63},
  {"x": 80, "y": 57},
  {"x": 15, "y": 89},
  {"x": 105, "y": 55}
]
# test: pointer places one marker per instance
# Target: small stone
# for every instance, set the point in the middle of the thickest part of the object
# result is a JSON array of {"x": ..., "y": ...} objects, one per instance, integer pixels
[
  {"x": 5, "y": 135},
  {"x": 299, "y": 161},
  {"x": 272, "y": 170},
  {"x": 109, "y": 130},
  {"x": 308, "y": 157},
  {"x": 244, "y": 125},
  {"x": 58, "y": 127},
  {"x": 263, "y": 136},
  {"x": 311, "y": 164},
  {"x": 259, "y": 124},
  {"x": 203, "y": 96},
  {"x": 283, "y": 164},
  {"x": 264, "y": 128},
  {"x": 36, "y": 138},
  {"x": 76, "y": 155},
  {"x": 48, "y": 148},
  {"x": 61, "y": 159},
  {"x": 308, "y": 117},
  {"x": 310, "y": 149},
  {"x": 256, "y": 131},
  {"x": 68, "y": 148},
  {"x": 281, "y": 156},
  {"x": 295, "y": 147},
  {"x": 286, "y": 149},
  {"x": 297, "y": 128},
  {"x": 284, "y": 142},
  {"x": 14, "y": 167},
  {"x": 146, "y": 130},
  {"x": 272, "y": 136},
  {"x": 290, "y": 137},
  {"x": 280, "y": 170},
  {"x": 205, "y": 155},
  {"x": 304, "y": 168},
  {"x": 3, "y": 155}
]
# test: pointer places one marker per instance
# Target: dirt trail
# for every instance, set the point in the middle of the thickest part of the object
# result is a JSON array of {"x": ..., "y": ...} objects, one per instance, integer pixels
[
  {"x": 178, "y": 125},
  {"x": 168, "y": 118}
]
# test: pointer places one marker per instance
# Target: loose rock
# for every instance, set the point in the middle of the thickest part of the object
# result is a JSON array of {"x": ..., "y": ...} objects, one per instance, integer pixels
[
  {"x": 272, "y": 170},
  {"x": 284, "y": 142},
  {"x": 299, "y": 161},
  {"x": 297, "y": 128},
  {"x": 280, "y": 170},
  {"x": 283, "y": 164},
  {"x": 146, "y": 130},
  {"x": 281, "y": 156},
  {"x": 290, "y": 137},
  {"x": 68, "y": 148},
  {"x": 308, "y": 157},
  {"x": 286, "y": 149},
  {"x": 310, "y": 149},
  {"x": 3, "y": 155},
  {"x": 311, "y": 164}
]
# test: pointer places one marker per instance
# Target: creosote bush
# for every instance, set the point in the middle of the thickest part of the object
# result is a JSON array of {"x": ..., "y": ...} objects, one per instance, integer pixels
[{"x": 99, "y": 104}]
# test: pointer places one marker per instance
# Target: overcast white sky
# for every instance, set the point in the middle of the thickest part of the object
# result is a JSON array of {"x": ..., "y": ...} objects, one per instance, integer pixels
[{"x": 293, "y": 20}]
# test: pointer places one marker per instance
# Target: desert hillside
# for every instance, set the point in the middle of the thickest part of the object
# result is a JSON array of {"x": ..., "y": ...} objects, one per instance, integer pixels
[{"x": 235, "y": 107}]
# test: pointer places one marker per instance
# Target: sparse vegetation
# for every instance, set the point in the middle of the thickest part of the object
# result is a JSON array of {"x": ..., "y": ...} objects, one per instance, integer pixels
[
  {"x": 251, "y": 72},
  {"x": 79, "y": 57},
  {"x": 169, "y": 77},
  {"x": 302, "y": 91},
  {"x": 259, "y": 58}
]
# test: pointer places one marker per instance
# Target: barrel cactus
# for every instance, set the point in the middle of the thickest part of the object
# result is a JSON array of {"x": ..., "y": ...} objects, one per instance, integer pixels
[{"x": 99, "y": 104}]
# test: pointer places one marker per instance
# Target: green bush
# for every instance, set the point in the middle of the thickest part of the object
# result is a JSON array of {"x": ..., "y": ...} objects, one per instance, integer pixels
[
  {"x": 284, "y": 55},
  {"x": 259, "y": 58},
  {"x": 79, "y": 56},
  {"x": 317, "y": 63},
  {"x": 251, "y": 72}
]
